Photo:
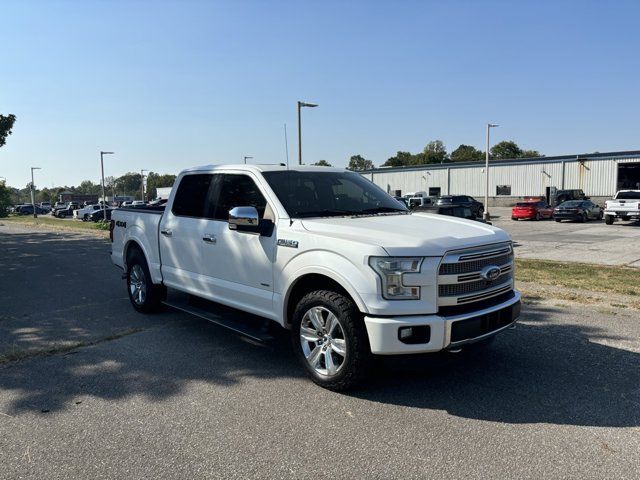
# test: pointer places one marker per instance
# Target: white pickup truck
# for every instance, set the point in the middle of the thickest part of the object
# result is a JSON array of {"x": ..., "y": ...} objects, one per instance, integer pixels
[
  {"x": 625, "y": 205},
  {"x": 324, "y": 253}
]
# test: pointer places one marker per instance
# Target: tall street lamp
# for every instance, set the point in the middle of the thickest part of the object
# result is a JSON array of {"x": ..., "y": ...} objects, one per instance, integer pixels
[
  {"x": 247, "y": 158},
  {"x": 300, "y": 106},
  {"x": 33, "y": 192},
  {"x": 486, "y": 215},
  {"x": 142, "y": 183},
  {"x": 104, "y": 208}
]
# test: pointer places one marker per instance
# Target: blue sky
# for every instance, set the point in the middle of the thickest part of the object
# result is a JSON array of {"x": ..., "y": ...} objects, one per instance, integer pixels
[{"x": 168, "y": 85}]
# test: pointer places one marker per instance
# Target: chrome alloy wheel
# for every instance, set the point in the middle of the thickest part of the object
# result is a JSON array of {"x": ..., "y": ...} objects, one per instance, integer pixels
[
  {"x": 323, "y": 341},
  {"x": 137, "y": 285}
]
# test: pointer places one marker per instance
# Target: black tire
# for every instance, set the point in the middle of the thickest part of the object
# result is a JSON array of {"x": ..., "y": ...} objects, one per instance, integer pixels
[
  {"x": 608, "y": 219},
  {"x": 584, "y": 218},
  {"x": 557, "y": 220},
  {"x": 62, "y": 215},
  {"x": 357, "y": 361},
  {"x": 538, "y": 217},
  {"x": 138, "y": 271},
  {"x": 600, "y": 215}
]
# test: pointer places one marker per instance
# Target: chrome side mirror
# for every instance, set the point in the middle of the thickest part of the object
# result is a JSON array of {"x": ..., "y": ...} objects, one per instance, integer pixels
[{"x": 244, "y": 219}]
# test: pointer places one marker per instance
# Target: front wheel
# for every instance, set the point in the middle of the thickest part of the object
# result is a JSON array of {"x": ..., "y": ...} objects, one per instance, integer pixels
[
  {"x": 330, "y": 340},
  {"x": 584, "y": 218}
]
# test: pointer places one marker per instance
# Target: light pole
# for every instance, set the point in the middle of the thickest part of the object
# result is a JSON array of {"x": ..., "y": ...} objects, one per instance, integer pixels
[
  {"x": 300, "y": 106},
  {"x": 486, "y": 215},
  {"x": 104, "y": 208},
  {"x": 247, "y": 158},
  {"x": 33, "y": 192},
  {"x": 142, "y": 183}
]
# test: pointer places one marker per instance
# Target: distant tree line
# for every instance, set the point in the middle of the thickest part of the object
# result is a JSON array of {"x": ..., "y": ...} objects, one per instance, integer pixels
[
  {"x": 436, "y": 152},
  {"x": 127, "y": 184}
]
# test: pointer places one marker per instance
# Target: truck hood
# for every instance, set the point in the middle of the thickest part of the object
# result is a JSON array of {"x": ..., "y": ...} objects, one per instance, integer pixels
[{"x": 418, "y": 234}]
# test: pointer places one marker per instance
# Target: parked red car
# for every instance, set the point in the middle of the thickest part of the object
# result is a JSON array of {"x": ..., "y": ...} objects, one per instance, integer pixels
[{"x": 532, "y": 210}]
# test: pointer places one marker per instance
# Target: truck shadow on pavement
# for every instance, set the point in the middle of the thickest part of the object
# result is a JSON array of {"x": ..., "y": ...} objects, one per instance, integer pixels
[{"x": 544, "y": 371}]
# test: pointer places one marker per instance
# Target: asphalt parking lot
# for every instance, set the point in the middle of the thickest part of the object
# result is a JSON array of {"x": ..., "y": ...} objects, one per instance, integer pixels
[
  {"x": 591, "y": 242},
  {"x": 116, "y": 394}
]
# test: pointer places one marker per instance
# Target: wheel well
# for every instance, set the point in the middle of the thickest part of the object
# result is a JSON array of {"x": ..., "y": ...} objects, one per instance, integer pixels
[
  {"x": 309, "y": 283},
  {"x": 130, "y": 249}
]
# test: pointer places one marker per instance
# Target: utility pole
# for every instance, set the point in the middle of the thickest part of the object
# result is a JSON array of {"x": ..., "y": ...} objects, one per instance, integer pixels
[
  {"x": 142, "y": 183},
  {"x": 486, "y": 215},
  {"x": 33, "y": 192},
  {"x": 300, "y": 106},
  {"x": 247, "y": 158},
  {"x": 104, "y": 208}
]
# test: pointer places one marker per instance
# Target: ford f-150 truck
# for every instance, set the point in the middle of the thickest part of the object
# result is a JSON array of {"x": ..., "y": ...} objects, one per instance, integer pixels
[
  {"x": 324, "y": 253},
  {"x": 625, "y": 205}
]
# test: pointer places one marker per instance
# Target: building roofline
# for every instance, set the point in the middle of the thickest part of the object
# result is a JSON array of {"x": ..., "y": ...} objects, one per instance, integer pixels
[{"x": 506, "y": 161}]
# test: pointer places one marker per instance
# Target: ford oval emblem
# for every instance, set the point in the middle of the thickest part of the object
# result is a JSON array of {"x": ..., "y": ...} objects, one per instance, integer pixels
[{"x": 490, "y": 272}]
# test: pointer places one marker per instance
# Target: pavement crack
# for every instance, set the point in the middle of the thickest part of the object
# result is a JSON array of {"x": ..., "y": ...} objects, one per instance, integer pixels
[{"x": 66, "y": 347}]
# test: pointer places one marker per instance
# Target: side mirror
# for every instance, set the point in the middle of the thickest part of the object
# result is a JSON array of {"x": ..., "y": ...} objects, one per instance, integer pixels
[{"x": 244, "y": 219}]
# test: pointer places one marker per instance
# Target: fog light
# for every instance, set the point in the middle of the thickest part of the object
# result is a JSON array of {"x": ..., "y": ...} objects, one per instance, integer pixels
[{"x": 413, "y": 335}]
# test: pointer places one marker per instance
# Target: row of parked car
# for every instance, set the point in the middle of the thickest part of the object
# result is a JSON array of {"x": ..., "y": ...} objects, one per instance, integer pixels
[
  {"x": 571, "y": 205},
  {"x": 86, "y": 212}
]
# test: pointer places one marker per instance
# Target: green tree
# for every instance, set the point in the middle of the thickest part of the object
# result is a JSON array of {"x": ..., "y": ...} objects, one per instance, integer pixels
[
  {"x": 434, "y": 152},
  {"x": 358, "y": 163},
  {"x": 466, "y": 153},
  {"x": 401, "y": 159},
  {"x": 155, "y": 181},
  {"x": 5, "y": 199},
  {"x": 87, "y": 187},
  {"x": 6, "y": 127},
  {"x": 506, "y": 149},
  {"x": 322, "y": 163},
  {"x": 530, "y": 154},
  {"x": 130, "y": 183}
]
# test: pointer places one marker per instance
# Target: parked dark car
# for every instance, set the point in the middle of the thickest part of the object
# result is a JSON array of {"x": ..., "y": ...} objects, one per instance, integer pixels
[
  {"x": 462, "y": 200},
  {"x": 580, "y": 210},
  {"x": 28, "y": 210},
  {"x": 66, "y": 211},
  {"x": 565, "y": 195},
  {"x": 97, "y": 216},
  {"x": 452, "y": 210}
]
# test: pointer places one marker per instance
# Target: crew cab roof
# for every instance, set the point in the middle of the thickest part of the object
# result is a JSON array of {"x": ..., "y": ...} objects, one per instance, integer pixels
[{"x": 262, "y": 168}]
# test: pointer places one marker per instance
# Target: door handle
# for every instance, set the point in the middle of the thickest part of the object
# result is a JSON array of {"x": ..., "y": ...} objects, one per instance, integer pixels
[
  {"x": 209, "y": 239},
  {"x": 166, "y": 233}
]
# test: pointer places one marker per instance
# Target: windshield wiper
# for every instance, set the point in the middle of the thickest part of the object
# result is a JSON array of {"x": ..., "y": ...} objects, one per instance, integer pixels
[
  {"x": 382, "y": 210},
  {"x": 325, "y": 213}
]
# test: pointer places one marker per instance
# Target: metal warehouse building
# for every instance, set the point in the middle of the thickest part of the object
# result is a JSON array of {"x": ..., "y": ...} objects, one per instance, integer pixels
[{"x": 599, "y": 175}]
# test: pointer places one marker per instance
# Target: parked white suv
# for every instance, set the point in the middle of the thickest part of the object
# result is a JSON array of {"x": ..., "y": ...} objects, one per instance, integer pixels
[{"x": 324, "y": 253}]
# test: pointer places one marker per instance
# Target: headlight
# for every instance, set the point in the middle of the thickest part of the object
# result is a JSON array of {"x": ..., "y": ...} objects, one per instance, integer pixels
[{"x": 390, "y": 270}]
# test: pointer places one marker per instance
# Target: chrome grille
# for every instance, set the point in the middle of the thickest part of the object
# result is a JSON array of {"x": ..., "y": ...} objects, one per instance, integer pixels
[
  {"x": 474, "y": 265},
  {"x": 460, "y": 280},
  {"x": 456, "y": 289}
]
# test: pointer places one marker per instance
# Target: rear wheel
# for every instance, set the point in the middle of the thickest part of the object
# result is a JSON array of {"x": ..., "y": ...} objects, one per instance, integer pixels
[
  {"x": 538, "y": 216},
  {"x": 584, "y": 218},
  {"x": 557, "y": 220},
  {"x": 144, "y": 295},
  {"x": 608, "y": 219},
  {"x": 330, "y": 340}
]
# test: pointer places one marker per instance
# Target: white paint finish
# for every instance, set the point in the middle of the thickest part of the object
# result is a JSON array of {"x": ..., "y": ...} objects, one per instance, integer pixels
[{"x": 249, "y": 272}]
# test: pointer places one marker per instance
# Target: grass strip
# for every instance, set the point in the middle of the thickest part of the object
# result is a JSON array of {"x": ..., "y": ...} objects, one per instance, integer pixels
[{"x": 583, "y": 276}]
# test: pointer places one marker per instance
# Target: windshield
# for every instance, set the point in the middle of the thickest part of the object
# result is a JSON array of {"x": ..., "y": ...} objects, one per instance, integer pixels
[
  {"x": 628, "y": 195},
  {"x": 572, "y": 203},
  {"x": 327, "y": 194}
]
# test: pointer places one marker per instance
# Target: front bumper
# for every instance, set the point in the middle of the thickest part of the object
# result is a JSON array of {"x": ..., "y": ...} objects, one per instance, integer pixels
[{"x": 469, "y": 327}]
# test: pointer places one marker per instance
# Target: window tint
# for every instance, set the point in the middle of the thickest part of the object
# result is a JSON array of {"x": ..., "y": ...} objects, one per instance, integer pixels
[
  {"x": 192, "y": 195},
  {"x": 236, "y": 191}
]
